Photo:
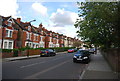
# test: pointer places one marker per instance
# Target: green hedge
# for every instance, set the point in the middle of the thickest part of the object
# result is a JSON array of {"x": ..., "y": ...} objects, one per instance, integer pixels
[
  {"x": 57, "y": 49},
  {"x": 61, "y": 49},
  {"x": 7, "y": 50}
]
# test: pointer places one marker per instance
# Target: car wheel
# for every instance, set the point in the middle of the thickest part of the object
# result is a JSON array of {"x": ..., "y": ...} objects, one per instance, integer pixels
[{"x": 74, "y": 61}]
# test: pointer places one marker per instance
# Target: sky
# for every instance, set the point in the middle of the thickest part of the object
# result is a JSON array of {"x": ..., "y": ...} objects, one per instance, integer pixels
[{"x": 58, "y": 16}]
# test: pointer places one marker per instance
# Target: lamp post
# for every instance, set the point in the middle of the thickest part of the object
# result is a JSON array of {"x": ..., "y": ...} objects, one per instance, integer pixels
[{"x": 32, "y": 21}]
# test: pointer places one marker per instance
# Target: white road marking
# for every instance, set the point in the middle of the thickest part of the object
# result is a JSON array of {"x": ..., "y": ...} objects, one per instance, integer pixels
[
  {"x": 41, "y": 62},
  {"x": 48, "y": 69},
  {"x": 32, "y": 64}
]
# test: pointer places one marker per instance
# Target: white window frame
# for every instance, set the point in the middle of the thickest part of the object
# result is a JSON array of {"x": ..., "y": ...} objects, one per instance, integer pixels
[
  {"x": 7, "y": 47},
  {"x": 41, "y": 38},
  {"x": 9, "y": 23},
  {"x": 28, "y": 35},
  {"x": 9, "y": 30},
  {"x": 35, "y": 37},
  {"x": 29, "y": 28},
  {"x": 29, "y": 43},
  {"x": 41, "y": 44}
]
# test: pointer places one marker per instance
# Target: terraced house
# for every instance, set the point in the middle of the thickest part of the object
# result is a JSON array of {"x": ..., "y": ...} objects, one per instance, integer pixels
[{"x": 16, "y": 34}]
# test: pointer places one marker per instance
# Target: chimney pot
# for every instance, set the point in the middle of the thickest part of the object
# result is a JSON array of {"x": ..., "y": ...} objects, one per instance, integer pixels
[{"x": 18, "y": 20}]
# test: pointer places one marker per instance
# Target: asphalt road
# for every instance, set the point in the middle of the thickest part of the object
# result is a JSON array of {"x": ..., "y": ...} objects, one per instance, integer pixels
[{"x": 55, "y": 67}]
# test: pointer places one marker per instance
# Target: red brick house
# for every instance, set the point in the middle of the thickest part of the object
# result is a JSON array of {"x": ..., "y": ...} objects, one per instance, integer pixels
[
  {"x": 17, "y": 34},
  {"x": 9, "y": 33}
]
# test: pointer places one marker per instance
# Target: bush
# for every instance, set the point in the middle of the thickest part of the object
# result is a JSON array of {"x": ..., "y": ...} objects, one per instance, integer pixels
[
  {"x": 15, "y": 51},
  {"x": 6, "y": 50},
  {"x": 61, "y": 49}
]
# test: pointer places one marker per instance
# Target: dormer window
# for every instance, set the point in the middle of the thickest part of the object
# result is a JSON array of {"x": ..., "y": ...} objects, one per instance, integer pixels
[
  {"x": 29, "y": 28},
  {"x": 9, "y": 23}
]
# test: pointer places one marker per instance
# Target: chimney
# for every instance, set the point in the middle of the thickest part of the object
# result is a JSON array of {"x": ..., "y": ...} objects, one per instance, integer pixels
[
  {"x": 19, "y": 20},
  {"x": 40, "y": 25}
]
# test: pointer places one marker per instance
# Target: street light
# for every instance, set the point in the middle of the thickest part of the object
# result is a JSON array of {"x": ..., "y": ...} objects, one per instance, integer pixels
[{"x": 32, "y": 21}]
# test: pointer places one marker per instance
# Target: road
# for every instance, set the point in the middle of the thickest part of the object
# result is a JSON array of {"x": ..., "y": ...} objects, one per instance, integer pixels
[{"x": 55, "y": 67}]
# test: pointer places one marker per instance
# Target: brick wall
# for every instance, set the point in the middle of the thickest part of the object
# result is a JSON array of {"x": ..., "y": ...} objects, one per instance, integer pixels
[
  {"x": 22, "y": 53},
  {"x": 34, "y": 52},
  {"x": 113, "y": 58},
  {"x": 7, "y": 55}
]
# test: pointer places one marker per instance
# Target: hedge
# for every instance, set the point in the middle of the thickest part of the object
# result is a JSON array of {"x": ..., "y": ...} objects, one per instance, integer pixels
[{"x": 57, "y": 49}]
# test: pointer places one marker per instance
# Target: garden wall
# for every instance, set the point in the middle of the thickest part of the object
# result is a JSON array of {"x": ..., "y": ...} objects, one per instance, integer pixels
[{"x": 113, "y": 58}]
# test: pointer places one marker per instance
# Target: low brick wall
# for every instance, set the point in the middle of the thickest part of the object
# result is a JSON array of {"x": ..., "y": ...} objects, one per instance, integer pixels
[
  {"x": 113, "y": 58},
  {"x": 33, "y": 52},
  {"x": 7, "y": 55},
  {"x": 21, "y": 53}
]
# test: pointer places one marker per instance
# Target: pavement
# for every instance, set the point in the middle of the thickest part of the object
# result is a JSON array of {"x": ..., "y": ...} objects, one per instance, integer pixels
[
  {"x": 98, "y": 68},
  {"x": 25, "y": 57}
]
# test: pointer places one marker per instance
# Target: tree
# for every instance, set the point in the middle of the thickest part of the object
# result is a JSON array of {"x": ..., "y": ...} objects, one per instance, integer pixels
[
  {"x": 76, "y": 44},
  {"x": 100, "y": 23}
]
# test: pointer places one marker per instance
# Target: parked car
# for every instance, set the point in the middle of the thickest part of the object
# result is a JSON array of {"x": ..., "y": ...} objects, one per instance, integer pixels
[
  {"x": 82, "y": 56},
  {"x": 70, "y": 50},
  {"x": 75, "y": 49},
  {"x": 47, "y": 52},
  {"x": 92, "y": 50}
]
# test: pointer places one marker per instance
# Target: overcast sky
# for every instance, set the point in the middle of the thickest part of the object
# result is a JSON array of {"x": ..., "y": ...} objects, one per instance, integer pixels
[{"x": 56, "y": 16}]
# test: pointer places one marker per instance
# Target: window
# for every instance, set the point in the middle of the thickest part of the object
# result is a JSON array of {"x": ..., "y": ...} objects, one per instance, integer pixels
[
  {"x": 10, "y": 45},
  {"x": 28, "y": 35},
  {"x": 30, "y": 44},
  {"x": 10, "y": 33},
  {"x": 7, "y": 35},
  {"x": 9, "y": 23},
  {"x": 5, "y": 45},
  {"x": 37, "y": 46},
  {"x": 27, "y": 44},
  {"x": 29, "y": 28},
  {"x": 41, "y": 39}
]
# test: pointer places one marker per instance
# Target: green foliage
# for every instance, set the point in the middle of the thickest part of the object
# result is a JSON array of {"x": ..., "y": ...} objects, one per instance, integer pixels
[
  {"x": 15, "y": 52},
  {"x": 100, "y": 23},
  {"x": 7, "y": 50},
  {"x": 57, "y": 49}
]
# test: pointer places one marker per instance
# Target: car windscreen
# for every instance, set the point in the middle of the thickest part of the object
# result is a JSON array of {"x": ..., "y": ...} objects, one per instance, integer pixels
[
  {"x": 50, "y": 50},
  {"x": 82, "y": 52}
]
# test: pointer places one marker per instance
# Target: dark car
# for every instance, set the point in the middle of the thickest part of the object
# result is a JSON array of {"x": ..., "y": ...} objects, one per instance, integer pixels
[
  {"x": 82, "y": 56},
  {"x": 75, "y": 49},
  {"x": 92, "y": 50},
  {"x": 47, "y": 52}
]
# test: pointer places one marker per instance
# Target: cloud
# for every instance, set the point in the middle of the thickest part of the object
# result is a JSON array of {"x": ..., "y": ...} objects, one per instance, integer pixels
[
  {"x": 9, "y": 7},
  {"x": 69, "y": 31},
  {"x": 62, "y": 17},
  {"x": 40, "y": 8}
]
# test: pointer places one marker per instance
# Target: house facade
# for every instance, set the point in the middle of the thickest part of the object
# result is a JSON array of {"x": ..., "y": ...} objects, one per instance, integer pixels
[{"x": 17, "y": 34}]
